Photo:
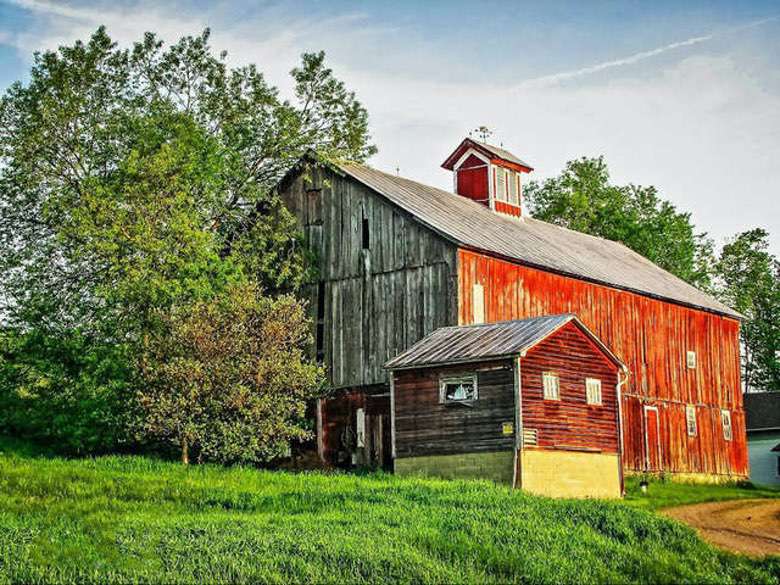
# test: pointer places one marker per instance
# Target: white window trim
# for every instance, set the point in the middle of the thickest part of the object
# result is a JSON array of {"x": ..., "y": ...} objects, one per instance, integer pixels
[
  {"x": 690, "y": 360},
  {"x": 596, "y": 384},
  {"x": 459, "y": 379},
  {"x": 725, "y": 415},
  {"x": 551, "y": 376},
  {"x": 690, "y": 415}
]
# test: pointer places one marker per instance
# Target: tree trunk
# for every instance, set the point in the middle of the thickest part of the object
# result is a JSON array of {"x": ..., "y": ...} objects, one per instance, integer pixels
[{"x": 185, "y": 452}]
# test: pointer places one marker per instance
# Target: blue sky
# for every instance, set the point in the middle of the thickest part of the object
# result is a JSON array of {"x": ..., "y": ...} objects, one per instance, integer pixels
[{"x": 682, "y": 95}]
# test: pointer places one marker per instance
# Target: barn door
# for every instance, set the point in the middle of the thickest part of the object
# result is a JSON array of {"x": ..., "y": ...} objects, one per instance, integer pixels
[{"x": 652, "y": 439}]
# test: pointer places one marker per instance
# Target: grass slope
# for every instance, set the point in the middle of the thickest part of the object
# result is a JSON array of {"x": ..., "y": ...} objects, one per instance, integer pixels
[{"x": 120, "y": 519}]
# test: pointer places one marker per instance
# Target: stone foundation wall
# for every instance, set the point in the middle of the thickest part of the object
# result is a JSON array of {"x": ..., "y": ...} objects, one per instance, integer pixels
[
  {"x": 571, "y": 474},
  {"x": 495, "y": 466}
]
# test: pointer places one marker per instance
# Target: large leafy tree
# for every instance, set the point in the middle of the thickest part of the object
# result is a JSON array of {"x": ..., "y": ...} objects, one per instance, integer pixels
[
  {"x": 583, "y": 198},
  {"x": 227, "y": 378},
  {"x": 134, "y": 183},
  {"x": 748, "y": 279}
]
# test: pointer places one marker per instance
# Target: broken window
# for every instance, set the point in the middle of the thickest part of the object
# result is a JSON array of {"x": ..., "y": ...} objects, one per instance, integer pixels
[
  {"x": 725, "y": 419},
  {"x": 458, "y": 389},
  {"x": 690, "y": 420}
]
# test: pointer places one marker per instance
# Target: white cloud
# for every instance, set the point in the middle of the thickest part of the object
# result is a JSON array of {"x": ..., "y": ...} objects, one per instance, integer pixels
[{"x": 705, "y": 129}]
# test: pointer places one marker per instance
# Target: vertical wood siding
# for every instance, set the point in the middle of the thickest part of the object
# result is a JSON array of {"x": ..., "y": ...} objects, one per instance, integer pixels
[
  {"x": 378, "y": 301},
  {"x": 652, "y": 338},
  {"x": 570, "y": 422},
  {"x": 423, "y": 426}
]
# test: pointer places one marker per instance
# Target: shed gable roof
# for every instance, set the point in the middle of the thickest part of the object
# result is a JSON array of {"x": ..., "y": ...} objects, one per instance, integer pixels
[
  {"x": 474, "y": 343},
  {"x": 762, "y": 410},
  {"x": 530, "y": 241}
]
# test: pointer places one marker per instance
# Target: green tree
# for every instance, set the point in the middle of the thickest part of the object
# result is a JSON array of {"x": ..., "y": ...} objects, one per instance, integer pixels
[
  {"x": 583, "y": 198},
  {"x": 228, "y": 378},
  {"x": 748, "y": 279},
  {"x": 137, "y": 182}
]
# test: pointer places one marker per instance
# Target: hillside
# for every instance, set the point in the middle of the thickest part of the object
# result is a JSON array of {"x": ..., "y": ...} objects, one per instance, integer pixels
[{"x": 116, "y": 519}]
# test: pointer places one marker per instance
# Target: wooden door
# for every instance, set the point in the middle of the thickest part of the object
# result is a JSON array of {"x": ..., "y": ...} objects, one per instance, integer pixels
[{"x": 652, "y": 439}]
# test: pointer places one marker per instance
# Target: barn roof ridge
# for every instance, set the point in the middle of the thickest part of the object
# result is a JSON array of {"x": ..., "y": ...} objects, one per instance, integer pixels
[
  {"x": 489, "y": 341},
  {"x": 532, "y": 242}
]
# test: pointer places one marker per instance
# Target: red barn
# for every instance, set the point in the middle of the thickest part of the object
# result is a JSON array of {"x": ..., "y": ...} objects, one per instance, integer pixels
[{"x": 398, "y": 259}]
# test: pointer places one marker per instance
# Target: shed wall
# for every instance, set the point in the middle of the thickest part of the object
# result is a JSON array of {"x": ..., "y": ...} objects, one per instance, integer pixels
[
  {"x": 569, "y": 423},
  {"x": 425, "y": 427}
]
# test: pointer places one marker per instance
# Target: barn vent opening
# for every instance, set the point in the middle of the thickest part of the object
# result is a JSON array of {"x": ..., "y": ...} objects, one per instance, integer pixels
[{"x": 366, "y": 235}]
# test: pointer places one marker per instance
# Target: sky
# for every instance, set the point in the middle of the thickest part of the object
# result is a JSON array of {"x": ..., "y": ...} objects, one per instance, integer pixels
[{"x": 681, "y": 95}]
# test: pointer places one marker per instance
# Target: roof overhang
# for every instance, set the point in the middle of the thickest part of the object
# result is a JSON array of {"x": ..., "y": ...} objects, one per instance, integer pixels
[
  {"x": 468, "y": 143},
  {"x": 519, "y": 353}
]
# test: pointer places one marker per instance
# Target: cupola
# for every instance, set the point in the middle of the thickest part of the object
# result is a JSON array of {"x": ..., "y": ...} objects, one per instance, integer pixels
[{"x": 489, "y": 175}]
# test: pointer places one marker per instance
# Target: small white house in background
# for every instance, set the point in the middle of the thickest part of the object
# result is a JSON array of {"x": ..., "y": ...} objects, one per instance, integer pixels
[{"x": 762, "y": 418}]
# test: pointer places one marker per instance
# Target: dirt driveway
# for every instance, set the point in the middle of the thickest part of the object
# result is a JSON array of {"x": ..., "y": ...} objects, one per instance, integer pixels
[{"x": 747, "y": 526}]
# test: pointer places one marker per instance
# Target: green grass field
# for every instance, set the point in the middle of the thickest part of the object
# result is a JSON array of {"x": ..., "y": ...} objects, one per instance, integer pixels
[{"x": 120, "y": 519}]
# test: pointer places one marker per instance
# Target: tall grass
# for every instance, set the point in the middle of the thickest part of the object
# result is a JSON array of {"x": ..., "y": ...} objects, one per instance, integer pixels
[{"x": 120, "y": 519}]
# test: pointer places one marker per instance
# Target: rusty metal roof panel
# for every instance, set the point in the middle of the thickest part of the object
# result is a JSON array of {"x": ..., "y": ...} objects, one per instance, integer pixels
[
  {"x": 532, "y": 242},
  {"x": 470, "y": 343}
]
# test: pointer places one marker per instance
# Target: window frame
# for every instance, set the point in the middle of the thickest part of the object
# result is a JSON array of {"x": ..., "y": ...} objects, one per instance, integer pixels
[
  {"x": 690, "y": 359},
  {"x": 444, "y": 380},
  {"x": 690, "y": 417},
  {"x": 551, "y": 376},
  {"x": 725, "y": 415},
  {"x": 598, "y": 388}
]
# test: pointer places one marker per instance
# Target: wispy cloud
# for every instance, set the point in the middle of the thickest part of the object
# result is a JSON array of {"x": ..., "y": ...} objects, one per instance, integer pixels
[
  {"x": 702, "y": 125},
  {"x": 556, "y": 78}
]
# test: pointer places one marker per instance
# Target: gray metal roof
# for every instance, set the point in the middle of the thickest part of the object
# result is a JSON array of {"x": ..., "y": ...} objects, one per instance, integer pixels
[
  {"x": 532, "y": 242},
  {"x": 501, "y": 153},
  {"x": 762, "y": 410},
  {"x": 474, "y": 343}
]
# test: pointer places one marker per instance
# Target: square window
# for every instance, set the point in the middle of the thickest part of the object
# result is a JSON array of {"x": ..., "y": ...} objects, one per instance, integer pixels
[
  {"x": 691, "y": 360},
  {"x": 458, "y": 389},
  {"x": 593, "y": 390},
  {"x": 552, "y": 386},
  {"x": 690, "y": 419},
  {"x": 725, "y": 419}
]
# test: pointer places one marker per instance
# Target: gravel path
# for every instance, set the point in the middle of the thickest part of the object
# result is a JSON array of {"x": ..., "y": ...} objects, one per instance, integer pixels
[{"x": 751, "y": 527}]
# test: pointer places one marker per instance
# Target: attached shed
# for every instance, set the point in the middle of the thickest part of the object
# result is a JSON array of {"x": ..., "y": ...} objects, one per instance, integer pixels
[{"x": 533, "y": 403}]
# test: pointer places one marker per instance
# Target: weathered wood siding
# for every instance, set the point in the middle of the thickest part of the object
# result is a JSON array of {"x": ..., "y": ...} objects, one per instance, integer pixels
[
  {"x": 652, "y": 338},
  {"x": 423, "y": 426},
  {"x": 339, "y": 428},
  {"x": 570, "y": 423},
  {"x": 377, "y": 301}
]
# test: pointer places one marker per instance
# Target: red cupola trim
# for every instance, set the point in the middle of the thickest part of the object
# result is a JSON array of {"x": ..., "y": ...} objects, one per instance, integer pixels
[{"x": 488, "y": 175}]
